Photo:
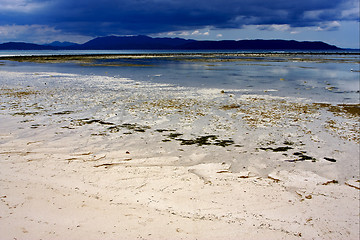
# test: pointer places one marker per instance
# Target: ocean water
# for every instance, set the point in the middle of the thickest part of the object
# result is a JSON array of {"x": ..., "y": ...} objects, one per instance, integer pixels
[{"x": 332, "y": 78}]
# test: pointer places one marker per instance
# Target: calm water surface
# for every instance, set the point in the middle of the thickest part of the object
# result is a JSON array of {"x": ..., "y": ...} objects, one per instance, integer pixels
[{"x": 319, "y": 78}]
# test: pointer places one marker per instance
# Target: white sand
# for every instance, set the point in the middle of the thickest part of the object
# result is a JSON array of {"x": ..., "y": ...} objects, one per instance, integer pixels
[{"x": 64, "y": 176}]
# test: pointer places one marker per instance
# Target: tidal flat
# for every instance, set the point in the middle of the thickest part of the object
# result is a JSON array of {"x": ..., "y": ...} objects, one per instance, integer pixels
[
  {"x": 87, "y": 155},
  {"x": 268, "y": 57}
]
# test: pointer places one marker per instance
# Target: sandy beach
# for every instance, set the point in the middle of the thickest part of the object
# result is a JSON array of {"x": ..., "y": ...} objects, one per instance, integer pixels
[{"x": 103, "y": 157}]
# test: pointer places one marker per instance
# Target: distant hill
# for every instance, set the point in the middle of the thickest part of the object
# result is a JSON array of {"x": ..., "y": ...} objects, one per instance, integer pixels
[
  {"x": 24, "y": 46},
  {"x": 260, "y": 45},
  {"x": 147, "y": 43},
  {"x": 134, "y": 42},
  {"x": 62, "y": 44}
]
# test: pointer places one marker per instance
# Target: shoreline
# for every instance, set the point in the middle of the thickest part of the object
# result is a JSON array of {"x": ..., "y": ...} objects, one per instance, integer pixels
[
  {"x": 200, "y": 56},
  {"x": 81, "y": 159}
]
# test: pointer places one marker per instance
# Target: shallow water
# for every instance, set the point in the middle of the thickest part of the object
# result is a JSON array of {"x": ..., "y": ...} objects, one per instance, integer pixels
[{"x": 318, "y": 78}]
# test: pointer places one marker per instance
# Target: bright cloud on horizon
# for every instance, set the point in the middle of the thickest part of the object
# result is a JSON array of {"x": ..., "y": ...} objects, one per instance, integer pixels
[
  {"x": 19, "y": 6},
  {"x": 40, "y": 34},
  {"x": 43, "y": 21}
]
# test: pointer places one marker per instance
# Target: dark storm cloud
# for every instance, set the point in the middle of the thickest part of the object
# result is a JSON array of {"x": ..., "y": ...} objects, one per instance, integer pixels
[{"x": 103, "y": 17}]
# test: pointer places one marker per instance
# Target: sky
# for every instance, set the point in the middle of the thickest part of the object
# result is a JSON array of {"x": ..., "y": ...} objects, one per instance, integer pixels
[{"x": 42, "y": 21}]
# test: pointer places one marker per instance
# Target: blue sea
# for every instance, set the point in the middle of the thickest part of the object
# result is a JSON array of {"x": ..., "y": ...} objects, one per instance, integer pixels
[{"x": 331, "y": 77}]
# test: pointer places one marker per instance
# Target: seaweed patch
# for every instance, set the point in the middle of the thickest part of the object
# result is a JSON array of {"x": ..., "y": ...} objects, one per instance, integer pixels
[
  {"x": 174, "y": 135},
  {"x": 135, "y": 127},
  {"x": 18, "y": 93},
  {"x": 278, "y": 149},
  {"x": 25, "y": 114},
  {"x": 351, "y": 110},
  {"x": 81, "y": 122},
  {"x": 200, "y": 141},
  {"x": 113, "y": 128},
  {"x": 164, "y": 130},
  {"x": 301, "y": 157},
  {"x": 63, "y": 113},
  {"x": 229, "y": 107},
  {"x": 330, "y": 159}
]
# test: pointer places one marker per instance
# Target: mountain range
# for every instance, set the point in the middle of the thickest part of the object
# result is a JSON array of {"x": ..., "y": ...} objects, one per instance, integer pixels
[{"x": 148, "y": 43}]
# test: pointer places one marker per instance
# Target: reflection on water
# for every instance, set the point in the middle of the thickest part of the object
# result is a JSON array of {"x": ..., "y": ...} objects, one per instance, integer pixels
[{"x": 333, "y": 78}]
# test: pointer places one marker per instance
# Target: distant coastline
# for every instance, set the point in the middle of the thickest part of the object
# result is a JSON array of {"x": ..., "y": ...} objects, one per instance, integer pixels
[
  {"x": 56, "y": 55},
  {"x": 148, "y": 43}
]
